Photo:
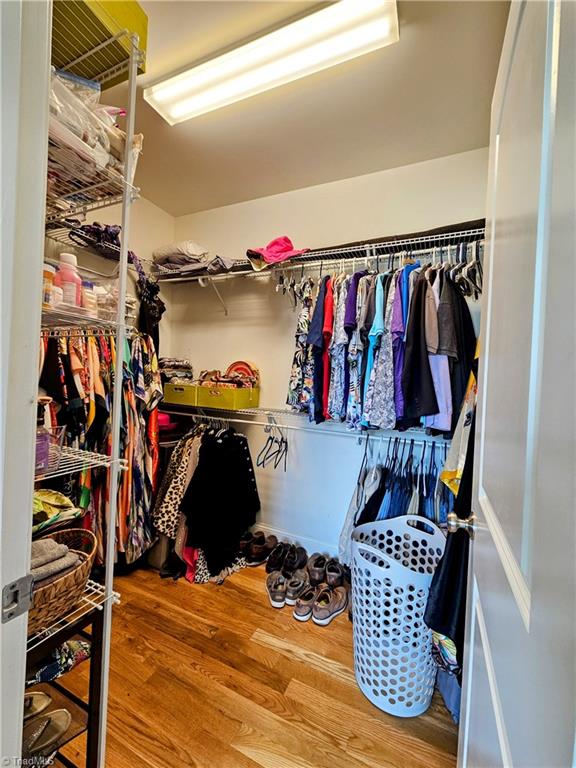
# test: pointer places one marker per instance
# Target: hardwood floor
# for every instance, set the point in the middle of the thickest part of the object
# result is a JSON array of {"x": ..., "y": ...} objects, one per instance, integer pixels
[{"x": 207, "y": 676}]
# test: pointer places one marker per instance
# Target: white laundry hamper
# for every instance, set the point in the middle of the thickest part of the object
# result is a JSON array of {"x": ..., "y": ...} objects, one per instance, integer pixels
[{"x": 392, "y": 566}]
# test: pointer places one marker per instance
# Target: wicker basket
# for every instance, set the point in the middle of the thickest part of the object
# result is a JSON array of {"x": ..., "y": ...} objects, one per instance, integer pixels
[{"x": 60, "y": 596}]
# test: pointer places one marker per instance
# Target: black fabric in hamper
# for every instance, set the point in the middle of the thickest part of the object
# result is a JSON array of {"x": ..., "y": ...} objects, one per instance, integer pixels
[{"x": 222, "y": 499}]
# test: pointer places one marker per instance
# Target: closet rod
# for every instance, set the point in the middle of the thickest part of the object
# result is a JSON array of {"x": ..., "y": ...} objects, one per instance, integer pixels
[{"x": 314, "y": 430}]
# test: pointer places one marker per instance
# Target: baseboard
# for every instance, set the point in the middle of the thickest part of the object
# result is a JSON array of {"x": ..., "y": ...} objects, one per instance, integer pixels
[{"x": 309, "y": 544}]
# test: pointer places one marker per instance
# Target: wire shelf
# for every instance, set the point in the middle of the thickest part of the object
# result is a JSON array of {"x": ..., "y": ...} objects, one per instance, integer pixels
[
  {"x": 76, "y": 184},
  {"x": 90, "y": 44},
  {"x": 68, "y": 461},
  {"x": 295, "y": 420},
  {"x": 59, "y": 233},
  {"x": 345, "y": 255},
  {"x": 59, "y": 318},
  {"x": 94, "y": 597}
]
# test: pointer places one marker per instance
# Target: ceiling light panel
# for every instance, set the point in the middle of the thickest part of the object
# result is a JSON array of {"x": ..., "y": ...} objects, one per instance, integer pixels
[{"x": 343, "y": 31}]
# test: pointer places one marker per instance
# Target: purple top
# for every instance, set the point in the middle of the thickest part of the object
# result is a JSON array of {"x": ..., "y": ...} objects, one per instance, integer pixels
[
  {"x": 350, "y": 311},
  {"x": 397, "y": 331}
]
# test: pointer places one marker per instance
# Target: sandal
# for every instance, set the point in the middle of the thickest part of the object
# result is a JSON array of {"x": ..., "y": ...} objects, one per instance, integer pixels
[{"x": 43, "y": 733}]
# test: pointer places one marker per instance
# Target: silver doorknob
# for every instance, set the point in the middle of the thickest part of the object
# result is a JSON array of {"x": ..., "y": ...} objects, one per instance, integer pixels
[{"x": 456, "y": 523}]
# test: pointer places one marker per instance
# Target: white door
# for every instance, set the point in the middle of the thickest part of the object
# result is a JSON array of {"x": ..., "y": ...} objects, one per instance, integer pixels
[
  {"x": 519, "y": 694},
  {"x": 24, "y": 70}
]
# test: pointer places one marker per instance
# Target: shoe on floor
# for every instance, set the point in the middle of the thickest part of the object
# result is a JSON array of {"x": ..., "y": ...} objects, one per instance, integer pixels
[
  {"x": 277, "y": 557},
  {"x": 334, "y": 573},
  {"x": 276, "y": 588},
  {"x": 245, "y": 540},
  {"x": 304, "y": 604},
  {"x": 295, "y": 559},
  {"x": 317, "y": 568},
  {"x": 330, "y": 602},
  {"x": 296, "y": 586},
  {"x": 260, "y": 548}
]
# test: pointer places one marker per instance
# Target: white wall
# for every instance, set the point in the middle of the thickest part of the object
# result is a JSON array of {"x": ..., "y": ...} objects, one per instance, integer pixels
[
  {"x": 309, "y": 502},
  {"x": 413, "y": 197}
]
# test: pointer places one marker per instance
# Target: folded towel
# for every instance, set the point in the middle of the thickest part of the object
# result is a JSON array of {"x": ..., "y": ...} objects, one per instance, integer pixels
[
  {"x": 50, "y": 579},
  {"x": 54, "y": 567},
  {"x": 45, "y": 551}
]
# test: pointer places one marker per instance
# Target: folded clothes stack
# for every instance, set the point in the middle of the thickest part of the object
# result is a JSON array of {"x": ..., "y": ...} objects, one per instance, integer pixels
[
  {"x": 50, "y": 561},
  {"x": 51, "y": 508},
  {"x": 187, "y": 257},
  {"x": 176, "y": 370}
]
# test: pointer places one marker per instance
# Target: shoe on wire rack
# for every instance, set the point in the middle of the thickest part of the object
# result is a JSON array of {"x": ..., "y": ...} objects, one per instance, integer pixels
[
  {"x": 260, "y": 548},
  {"x": 298, "y": 584},
  {"x": 295, "y": 559},
  {"x": 329, "y": 603},
  {"x": 276, "y": 588},
  {"x": 35, "y": 703},
  {"x": 44, "y": 732},
  {"x": 277, "y": 557}
]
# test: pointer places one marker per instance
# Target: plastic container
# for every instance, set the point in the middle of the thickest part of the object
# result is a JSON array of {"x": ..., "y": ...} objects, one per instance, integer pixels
[
  {"x": 89, "y": 300},
  {"x": 393, "y": 562},
  {"x": 69, "y": 280},
  {"x": 49, "y": 272}
]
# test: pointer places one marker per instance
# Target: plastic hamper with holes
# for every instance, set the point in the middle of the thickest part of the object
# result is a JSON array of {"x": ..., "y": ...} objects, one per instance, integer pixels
[{"x": 392, "y": 566}]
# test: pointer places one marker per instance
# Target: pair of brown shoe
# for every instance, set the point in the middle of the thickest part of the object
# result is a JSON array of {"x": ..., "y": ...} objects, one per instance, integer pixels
[
  {"x": 256, "y": 547},
  {"x": 324, "y": 570},
  {"x": 285, "y": 590},
  {"x": 322, "y": 603}
]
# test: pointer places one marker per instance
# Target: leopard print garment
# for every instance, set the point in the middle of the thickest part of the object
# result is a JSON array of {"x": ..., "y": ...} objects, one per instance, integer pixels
[{"x": 167, "y": 508}]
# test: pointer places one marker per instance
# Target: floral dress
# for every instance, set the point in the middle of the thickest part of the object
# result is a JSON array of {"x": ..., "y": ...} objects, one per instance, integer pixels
[
  {"x": 338, "y": 348},
  {"x": 380, "y": 407},
  {"x": 302, "y": 371}
]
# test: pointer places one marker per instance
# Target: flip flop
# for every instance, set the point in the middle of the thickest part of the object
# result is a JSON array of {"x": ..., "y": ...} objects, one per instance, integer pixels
[
  {"x": 35, "y": 703},
  {"x": 57, "y": 723}
]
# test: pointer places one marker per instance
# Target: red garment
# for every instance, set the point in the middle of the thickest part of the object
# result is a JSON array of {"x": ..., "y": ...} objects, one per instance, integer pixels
[
  {"x": 153, "y": 438},
  {"x": 327, "y": 333}
]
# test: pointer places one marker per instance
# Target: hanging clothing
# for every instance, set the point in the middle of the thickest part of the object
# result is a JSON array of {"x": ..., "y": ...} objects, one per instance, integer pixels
[
  {"x": 338, "y": 353},
  {"x": 299, "y": 389},
  {"x": 446, "y": 607},
  {"x": 417, "y": 383},
  {"x": 316, "y": 341},
  {"x": 221, "y": 500},
  {"x": 327, "y": 333},
  {"x": 79, "y": 373}
]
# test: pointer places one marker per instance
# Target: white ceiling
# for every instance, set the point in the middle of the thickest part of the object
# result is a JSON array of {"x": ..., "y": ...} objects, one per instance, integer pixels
[{"x": 424, "y": 97}]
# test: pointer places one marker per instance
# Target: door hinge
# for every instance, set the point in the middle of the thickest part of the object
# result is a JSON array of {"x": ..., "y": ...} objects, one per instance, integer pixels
[{"x": 16, "y": 598}]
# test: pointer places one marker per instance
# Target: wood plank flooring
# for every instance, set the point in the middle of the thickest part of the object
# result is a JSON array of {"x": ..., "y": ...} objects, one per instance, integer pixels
[{"x": 207, "y": 676}]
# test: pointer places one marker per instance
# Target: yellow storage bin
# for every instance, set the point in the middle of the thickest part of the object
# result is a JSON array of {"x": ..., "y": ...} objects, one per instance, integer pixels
[
  {"x": 228, "y": 398},
  {"x": 180, "y": 394},
  {"x": 222, "y": 398}
]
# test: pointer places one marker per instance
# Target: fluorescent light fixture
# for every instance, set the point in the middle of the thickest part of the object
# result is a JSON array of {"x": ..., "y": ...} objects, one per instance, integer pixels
[{"x": 343, "y": 31}]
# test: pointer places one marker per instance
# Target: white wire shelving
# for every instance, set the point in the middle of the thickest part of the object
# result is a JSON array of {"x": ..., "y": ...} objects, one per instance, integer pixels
[
  {"x": 288, "y": 419},
  {"x": 69, "y": 461},
  {"x": 59, "y": 318},
  {"x": 369, "y": 253},
  {"x": 94, "y": 596},
  {"x": 87, "y": 42}
]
